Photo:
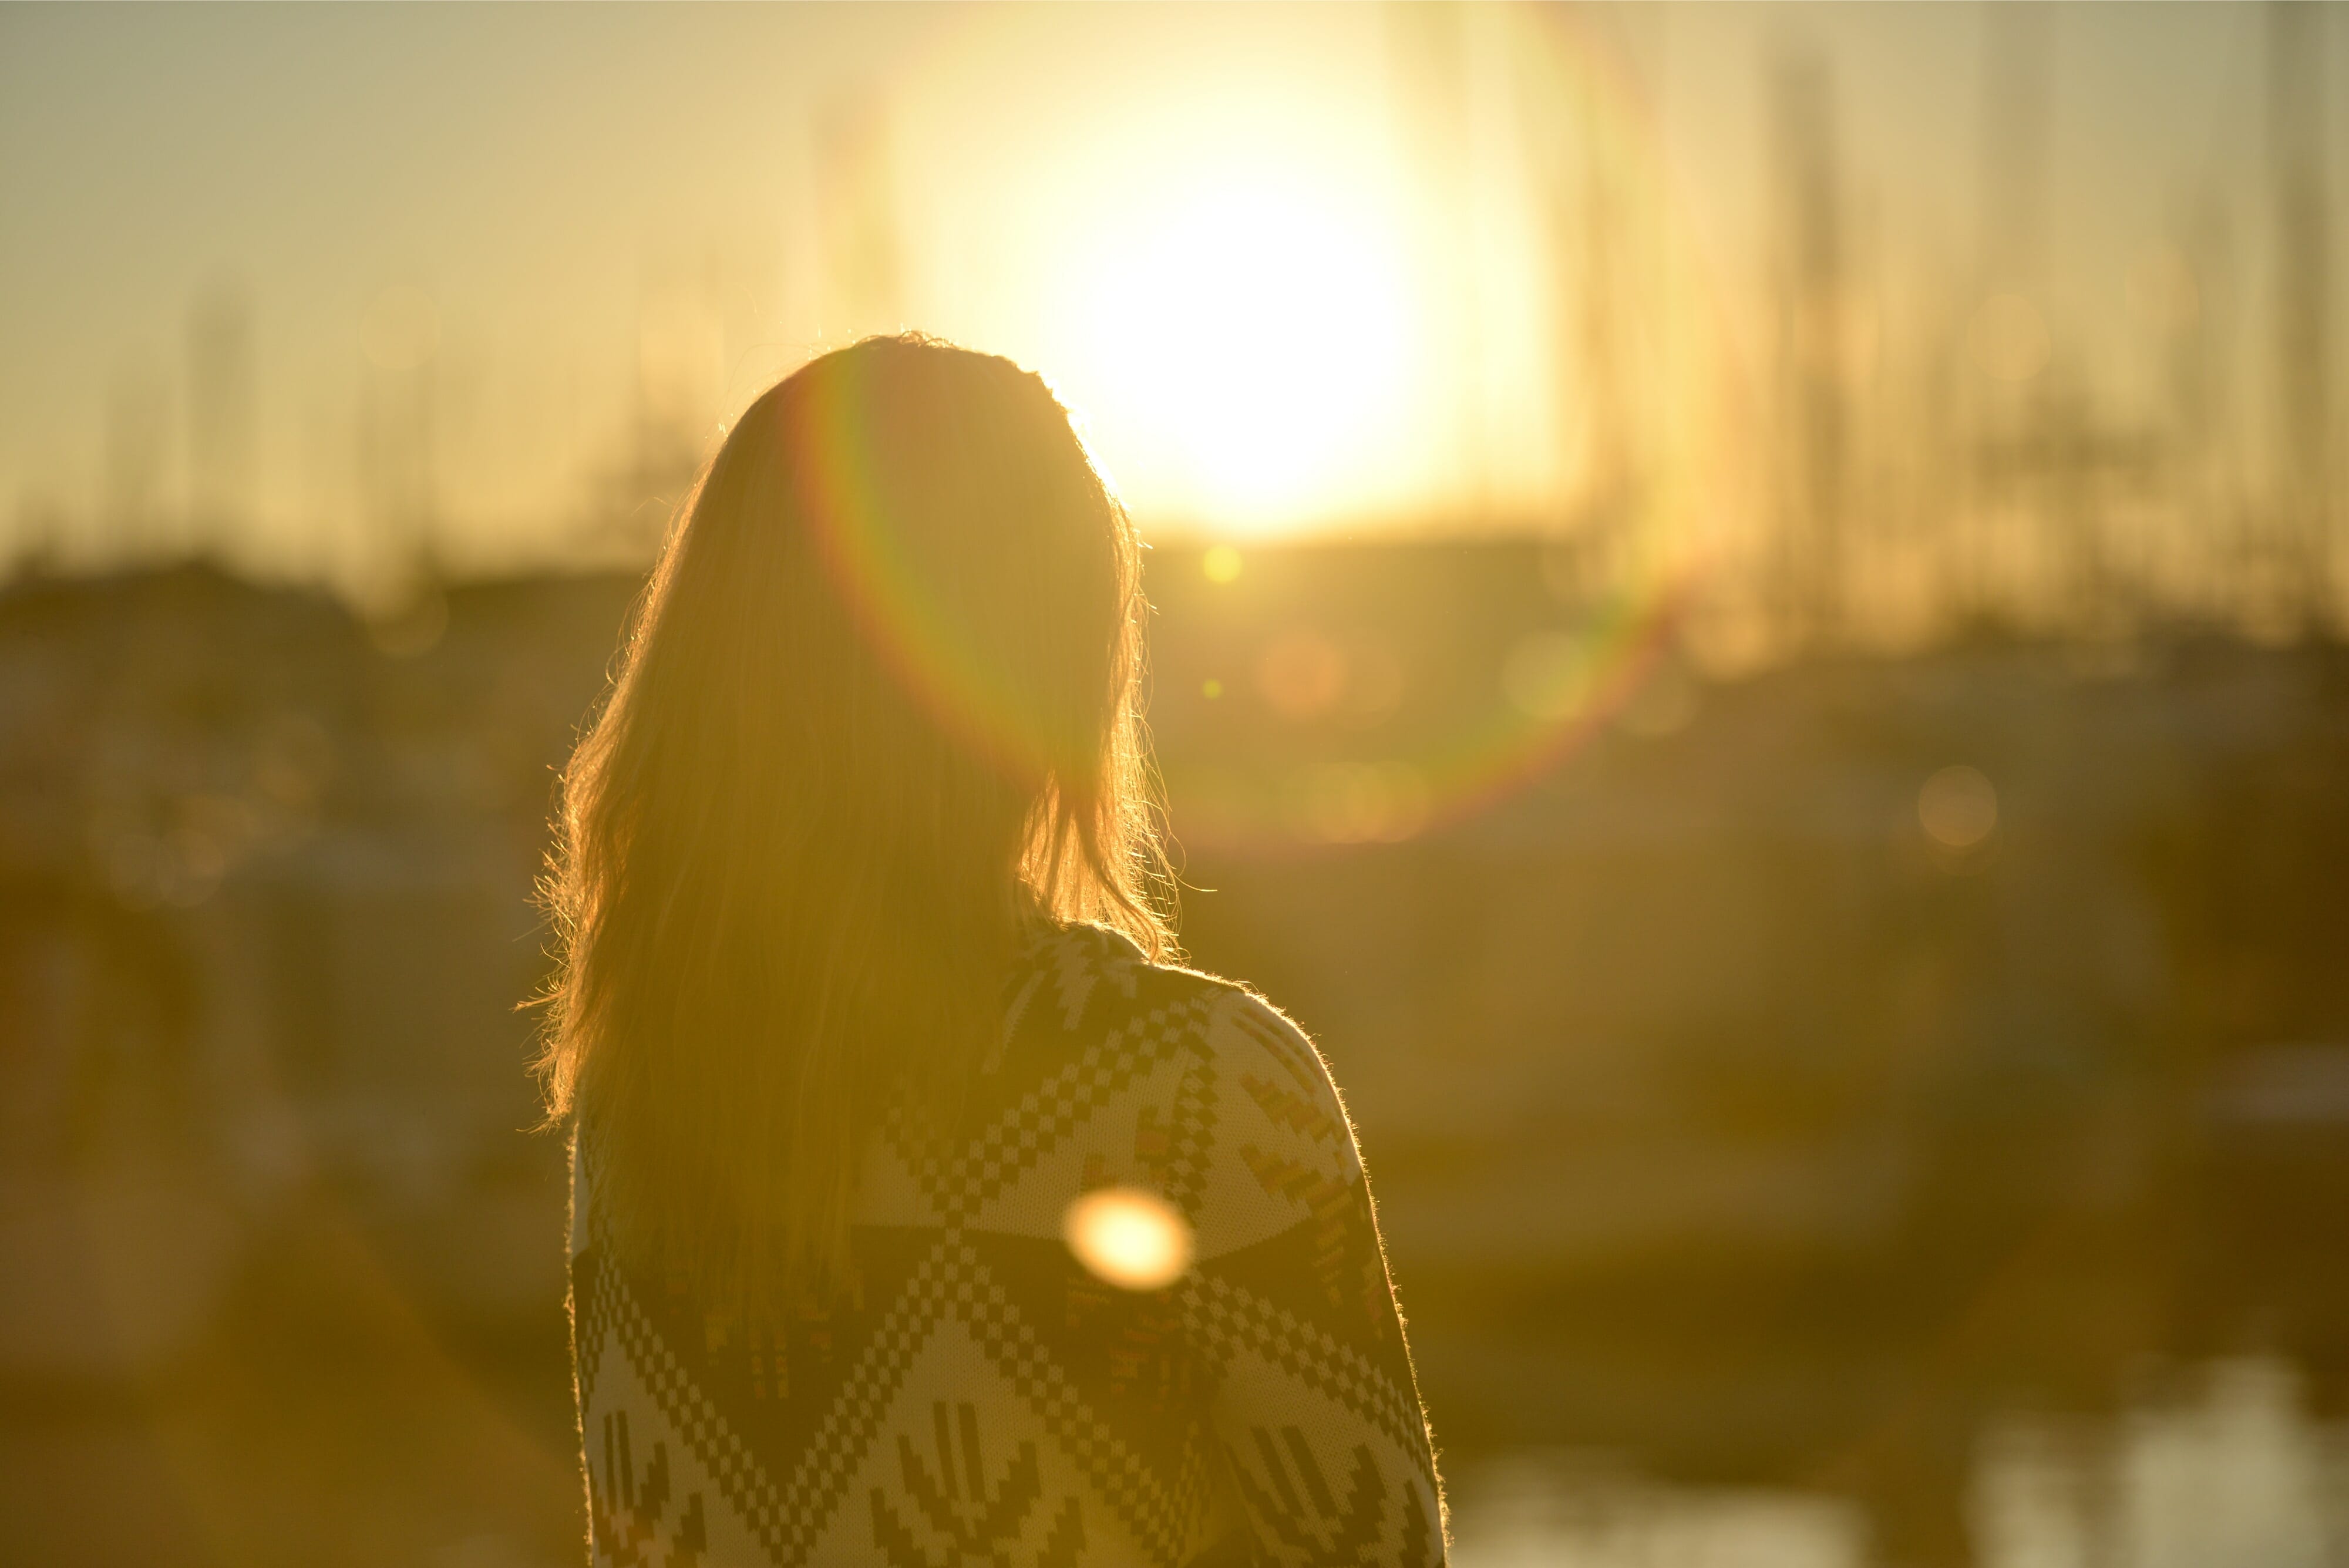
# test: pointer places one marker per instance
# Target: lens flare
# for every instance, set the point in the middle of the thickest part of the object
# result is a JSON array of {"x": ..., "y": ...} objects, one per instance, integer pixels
[
  {"x": 1130, "y": 1238},
  {"x": 1612, "y": 663},
  {"x": 1253, "y": 312}
]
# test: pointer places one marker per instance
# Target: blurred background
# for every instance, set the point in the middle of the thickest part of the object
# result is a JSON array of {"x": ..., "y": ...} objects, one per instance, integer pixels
[{"x": 1749, "y": 630}]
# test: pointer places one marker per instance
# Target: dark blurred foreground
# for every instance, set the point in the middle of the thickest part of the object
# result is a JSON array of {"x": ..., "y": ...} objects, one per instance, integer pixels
[{"x": 1729, "y": 1125}]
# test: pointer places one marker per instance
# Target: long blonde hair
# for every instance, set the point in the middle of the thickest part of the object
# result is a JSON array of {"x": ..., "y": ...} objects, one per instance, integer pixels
[{"x": 876, "y": 712}]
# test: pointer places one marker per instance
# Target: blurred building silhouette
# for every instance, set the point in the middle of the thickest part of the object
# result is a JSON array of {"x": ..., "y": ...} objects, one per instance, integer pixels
[{"x": 267, "y": 924}]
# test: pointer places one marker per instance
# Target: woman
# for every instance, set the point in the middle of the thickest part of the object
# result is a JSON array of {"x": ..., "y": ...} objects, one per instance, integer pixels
[{"x": 895, "y": 1127}]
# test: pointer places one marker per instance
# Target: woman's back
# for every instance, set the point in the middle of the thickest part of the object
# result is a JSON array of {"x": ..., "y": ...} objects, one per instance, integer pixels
[
  {"x": 976, "y": 1394},
  {"x": 846, "y": 1035}
]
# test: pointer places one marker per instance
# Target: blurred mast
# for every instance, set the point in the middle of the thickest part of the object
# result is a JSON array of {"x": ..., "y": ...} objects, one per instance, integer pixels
[
  {"x": 222, "y": 456},
  {"x": 2015, "y": 90},
  {"x": 1592, "y": 225},
  {"x": 397, "y": 466},
  {"x": 2304, "y": 544},
  {"x": 1428, "y": 52},
  {"x": 1610, "y": 483},
  {"x": 2196, "y": 312},
  {"x": 2009, "y": 262},
  {"x": 1808, "y": 544},
  {"x": 863, "y": 247},
  {"x": 136, "y": 428}
]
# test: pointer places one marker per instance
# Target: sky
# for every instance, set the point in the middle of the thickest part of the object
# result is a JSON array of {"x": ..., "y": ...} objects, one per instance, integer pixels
[{"x": 1297, "y": 270}]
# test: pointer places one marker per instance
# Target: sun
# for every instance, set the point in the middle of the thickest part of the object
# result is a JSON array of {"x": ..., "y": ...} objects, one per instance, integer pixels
[{"x": 1261, "y": 330}]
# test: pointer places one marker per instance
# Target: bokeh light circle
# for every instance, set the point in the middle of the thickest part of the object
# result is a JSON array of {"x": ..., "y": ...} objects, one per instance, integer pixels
[
  {"x": 1130, "y": 1238},
  {"x": 1958, "y": 808}
]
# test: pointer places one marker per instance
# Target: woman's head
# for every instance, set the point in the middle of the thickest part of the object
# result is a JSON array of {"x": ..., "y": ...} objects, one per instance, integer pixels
[{"x": 878, "y": 707}]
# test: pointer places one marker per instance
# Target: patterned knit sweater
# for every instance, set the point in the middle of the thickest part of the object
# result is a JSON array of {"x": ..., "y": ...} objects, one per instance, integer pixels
[{"x": 981, "y": 1399}]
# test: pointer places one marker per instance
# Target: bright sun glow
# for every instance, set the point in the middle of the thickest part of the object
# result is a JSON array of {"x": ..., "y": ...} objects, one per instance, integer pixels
[
  {"x": 1264, "y": 330},
  {"x": 1135, "y": 1239}
]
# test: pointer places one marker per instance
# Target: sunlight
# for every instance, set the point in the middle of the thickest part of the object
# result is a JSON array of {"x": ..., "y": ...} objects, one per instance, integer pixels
[{"x": 1264, "y": 329}]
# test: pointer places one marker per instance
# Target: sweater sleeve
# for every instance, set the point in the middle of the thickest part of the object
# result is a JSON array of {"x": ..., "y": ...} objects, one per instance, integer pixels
[{"x": 1312, "y": 1400}]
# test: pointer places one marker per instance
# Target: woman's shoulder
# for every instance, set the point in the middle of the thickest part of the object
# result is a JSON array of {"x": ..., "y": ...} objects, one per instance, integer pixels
[
  {"x": 1074, "y": 965},
  {"x": 1098, "y": 986},
  {"x": 1230, "y": 1108}
]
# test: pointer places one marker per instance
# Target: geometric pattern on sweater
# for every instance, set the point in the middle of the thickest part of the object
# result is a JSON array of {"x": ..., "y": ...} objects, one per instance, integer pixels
[{"x": 977, "y": 1396}]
